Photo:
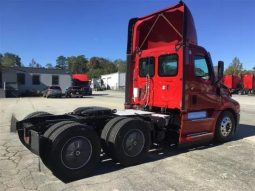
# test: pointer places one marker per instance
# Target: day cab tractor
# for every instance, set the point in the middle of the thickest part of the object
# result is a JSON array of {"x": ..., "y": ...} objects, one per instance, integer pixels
[
  {"x": 172, "y": 96},
  {"x": 80, "y": 84}
]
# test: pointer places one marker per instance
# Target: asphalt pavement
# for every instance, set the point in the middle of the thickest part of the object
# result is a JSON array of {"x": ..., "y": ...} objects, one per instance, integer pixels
[{"x": 229, "y": 166}]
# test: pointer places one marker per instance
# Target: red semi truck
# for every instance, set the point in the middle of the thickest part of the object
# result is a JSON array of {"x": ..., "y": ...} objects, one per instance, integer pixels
[
  {"x": 81, "y": 83},
  {"x": 172, "y": 96},
  {"x": 248, "y": 83},
  {"x": 233, "y": 83}
]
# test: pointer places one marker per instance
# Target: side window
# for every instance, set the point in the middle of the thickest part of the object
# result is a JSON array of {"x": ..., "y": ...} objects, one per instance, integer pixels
[
  {"x": 167, "y": 65},
  {"x": 55, "y": 80},
  {"x": 201, "y": 68},
  {"x": 36, "y": 80},
  {"x": 147, "y": 67}
]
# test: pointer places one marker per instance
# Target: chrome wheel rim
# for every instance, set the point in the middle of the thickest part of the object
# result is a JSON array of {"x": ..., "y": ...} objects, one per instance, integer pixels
[
  {"x": 76, "y": 152},
  {"x": 133, "y": 142},
  {"x": 226, "y": 126}
]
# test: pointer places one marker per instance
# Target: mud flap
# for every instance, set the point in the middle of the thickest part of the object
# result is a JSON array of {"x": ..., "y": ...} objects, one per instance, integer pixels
[
  {"x": 35, "y": 142},
  {"x": 13, "y": 123}
]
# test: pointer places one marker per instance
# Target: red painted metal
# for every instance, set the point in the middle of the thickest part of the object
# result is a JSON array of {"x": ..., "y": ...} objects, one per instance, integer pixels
[
  {"x": 159, "y": 34},
  {"x": 232, "y": 81},
  {"x": 248, "y": 81},
  {"x": 80, "y": 77}
]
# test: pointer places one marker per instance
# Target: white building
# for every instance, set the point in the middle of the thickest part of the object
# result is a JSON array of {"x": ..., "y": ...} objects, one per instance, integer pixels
[
  {"x": 23, "y": 79},
  {"x": 114, "y": 81}
]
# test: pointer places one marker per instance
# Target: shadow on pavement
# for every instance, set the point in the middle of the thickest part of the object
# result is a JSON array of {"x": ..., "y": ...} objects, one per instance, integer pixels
[
  {"x": 244, "y": 131},
  {"x": 103, "y": 94}
]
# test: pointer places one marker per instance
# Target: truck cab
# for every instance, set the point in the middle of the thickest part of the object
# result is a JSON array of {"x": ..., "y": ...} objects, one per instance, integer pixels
[{"x": 169, "y": 72}]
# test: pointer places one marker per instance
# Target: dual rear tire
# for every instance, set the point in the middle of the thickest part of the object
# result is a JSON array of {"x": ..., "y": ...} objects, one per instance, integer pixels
[
  {"x": 126, "y": 140},
  {"x": 73, "y": 150}
]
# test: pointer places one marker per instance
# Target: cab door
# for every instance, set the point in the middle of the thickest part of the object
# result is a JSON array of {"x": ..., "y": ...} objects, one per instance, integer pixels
[
  {"x": 203, "y": 94},
  {"x": 203, "y": 100}
]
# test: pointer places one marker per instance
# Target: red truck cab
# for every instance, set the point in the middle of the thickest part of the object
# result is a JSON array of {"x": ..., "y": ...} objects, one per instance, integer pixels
[{"x": 168, "y": 71}]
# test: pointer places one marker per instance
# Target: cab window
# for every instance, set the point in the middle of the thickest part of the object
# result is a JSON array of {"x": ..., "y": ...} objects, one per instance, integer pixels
[
  {"x": 168, "y": 65},
  {"x": 201, "y": 68},
  {"x": 147, "y": 67}
]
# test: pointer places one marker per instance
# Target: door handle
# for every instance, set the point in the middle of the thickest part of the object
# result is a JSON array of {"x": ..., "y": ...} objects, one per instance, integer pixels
[{"x": 194, "y": 99}]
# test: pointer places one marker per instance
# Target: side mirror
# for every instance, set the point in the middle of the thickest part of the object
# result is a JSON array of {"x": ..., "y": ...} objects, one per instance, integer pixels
[{"x": 220, "y": 70}]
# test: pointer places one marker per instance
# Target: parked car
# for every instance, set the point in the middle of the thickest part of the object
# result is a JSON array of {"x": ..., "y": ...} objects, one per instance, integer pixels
[
  {"x": 52, "y": 91},
  {"x": 78, "y": 91}
]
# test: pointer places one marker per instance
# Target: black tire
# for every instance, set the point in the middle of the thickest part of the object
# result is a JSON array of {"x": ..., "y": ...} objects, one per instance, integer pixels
[
  {"x": 37, "y": 114},
  {"x": 106, "y": 132},
  {"x": 129, "y": 150},
  {"x": 68, "y": 165},
  {"x": 54, "y": 127},
  {"x": 225, "y": 127},
  {"x": 45, "y": 151}
]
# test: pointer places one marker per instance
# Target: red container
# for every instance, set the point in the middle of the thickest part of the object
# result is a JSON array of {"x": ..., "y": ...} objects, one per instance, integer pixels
[
  {"x": 232, "y": 82},
  {"x": 248, "y": 81}
]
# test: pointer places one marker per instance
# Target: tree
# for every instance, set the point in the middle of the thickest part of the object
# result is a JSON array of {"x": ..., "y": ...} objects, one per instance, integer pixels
[
  {"x": 61, "y": 63},
  {"x": 49, "y": 66},
  {"x": 99, "y": 66},
  {"x": 253, "y": 68},
  {"x": 10, "y": 60},
  {"x": 34, "y": 64},
  {"x": 77, "y": 64},
  {"x": 121, "y": 65},
  {"x": 235, "y": 68}
]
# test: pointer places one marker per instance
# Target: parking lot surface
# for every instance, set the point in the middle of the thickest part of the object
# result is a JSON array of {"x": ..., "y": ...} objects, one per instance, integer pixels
[{"x": 230, "y": 166}]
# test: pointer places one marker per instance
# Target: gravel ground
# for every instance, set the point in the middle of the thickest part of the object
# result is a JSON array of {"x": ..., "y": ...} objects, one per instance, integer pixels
[{"x": 229, "y": 166}]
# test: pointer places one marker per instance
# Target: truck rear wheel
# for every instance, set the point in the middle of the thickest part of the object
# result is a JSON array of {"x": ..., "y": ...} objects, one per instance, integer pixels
[
  {"x": 106, "y": 132},
  {"x": 75, "y": 151},
  {"x": 129, "y": 141},
  {"x": 225, "y": 127},
  {"x": 45, "y": 150}
]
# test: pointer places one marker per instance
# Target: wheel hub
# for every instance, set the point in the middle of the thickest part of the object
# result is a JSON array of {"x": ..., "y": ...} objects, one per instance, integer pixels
[
  {"x": 133, "y": 143},
  {"x": 226, "y": 126},
  {"x": 76, "y": 152}
]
